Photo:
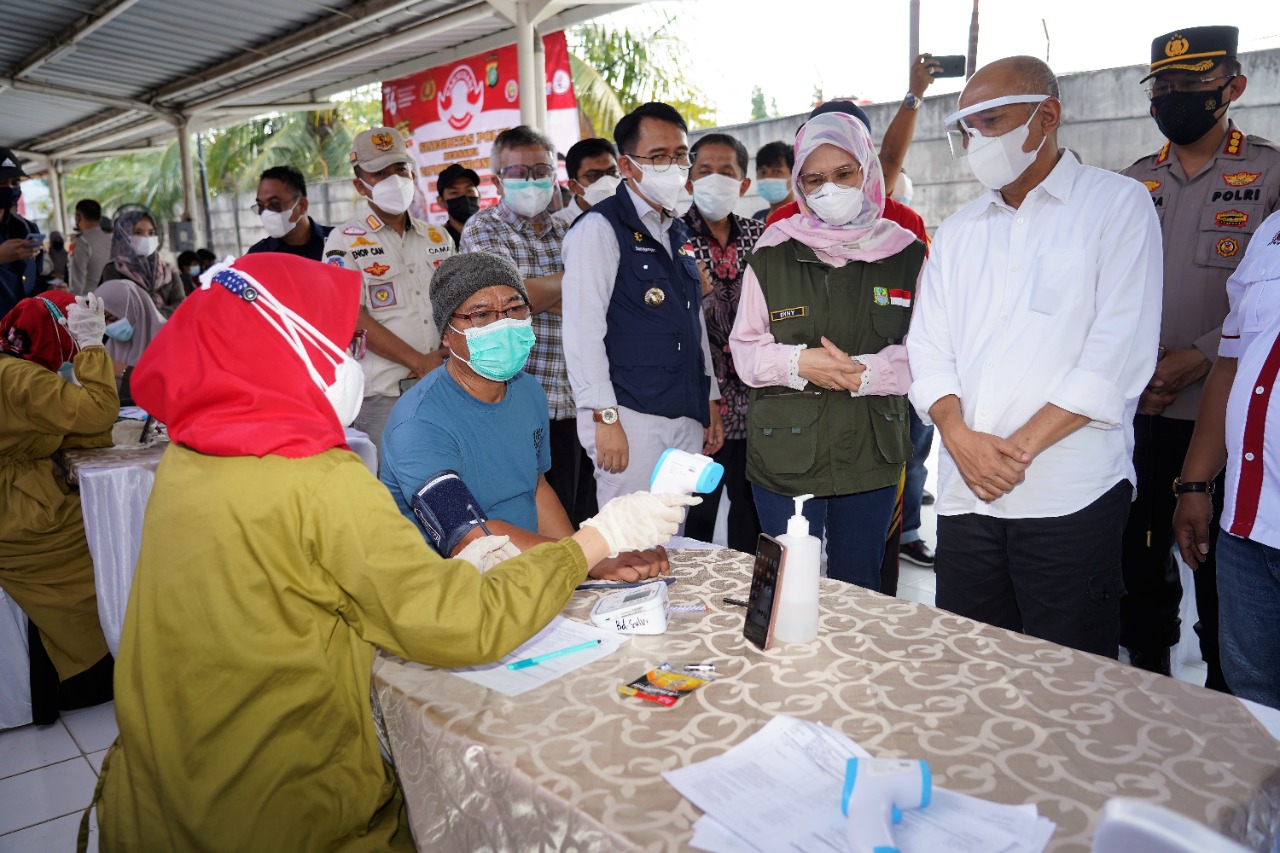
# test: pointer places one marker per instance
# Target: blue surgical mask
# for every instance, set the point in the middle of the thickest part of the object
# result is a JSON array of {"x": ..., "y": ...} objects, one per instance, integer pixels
[
  {"x": 9, "y": 197},
  {"x": 193, "y": 270},
  {"x": 67, "y": 371},
  {"x": 120, "y": 330},
  {"x": 773, "y": 190},
  {"x": 499, "y": 350}
]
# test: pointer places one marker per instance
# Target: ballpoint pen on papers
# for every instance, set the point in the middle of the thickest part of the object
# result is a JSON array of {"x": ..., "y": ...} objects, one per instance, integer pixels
[{"x": 537, "y": 659}]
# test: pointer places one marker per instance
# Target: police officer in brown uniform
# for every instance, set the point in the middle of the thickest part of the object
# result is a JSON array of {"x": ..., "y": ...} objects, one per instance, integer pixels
[{"x": 1212, "y": 186}]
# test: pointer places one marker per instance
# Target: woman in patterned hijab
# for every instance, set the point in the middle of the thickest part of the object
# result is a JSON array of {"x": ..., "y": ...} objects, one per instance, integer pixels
[{"x": 135, "y": 255}]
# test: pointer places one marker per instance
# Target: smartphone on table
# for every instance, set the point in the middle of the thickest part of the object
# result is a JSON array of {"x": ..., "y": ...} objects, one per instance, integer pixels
[{"x": 766, "y": 582}]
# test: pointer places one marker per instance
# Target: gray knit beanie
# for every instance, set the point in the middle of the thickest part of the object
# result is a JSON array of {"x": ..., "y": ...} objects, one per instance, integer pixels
[{"x": 460, "y": 276}]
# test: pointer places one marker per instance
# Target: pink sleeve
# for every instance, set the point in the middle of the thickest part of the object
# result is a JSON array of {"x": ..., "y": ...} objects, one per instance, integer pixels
[
  {"x": 758, "y": 358},
  {"x": 890, "y": 372}
]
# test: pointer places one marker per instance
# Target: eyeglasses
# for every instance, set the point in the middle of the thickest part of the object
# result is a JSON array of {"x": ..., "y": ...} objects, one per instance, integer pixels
[
  {"x": 519, "y": 172},
  {"x": 662, "y": 162},
  {"x": 488, "y": 315},
  {"x": 590, "y": 177},
  {"x": 1159, "y": 88},
  {"x": 275, "y": 206},
  {"x": 845, "y": 176}
]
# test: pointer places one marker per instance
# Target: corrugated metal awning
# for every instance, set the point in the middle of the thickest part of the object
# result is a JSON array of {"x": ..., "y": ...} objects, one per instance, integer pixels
[{"x": 84, "y": 79}]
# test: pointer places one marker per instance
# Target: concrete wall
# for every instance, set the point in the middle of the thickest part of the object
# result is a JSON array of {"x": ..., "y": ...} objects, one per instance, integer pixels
[{"x": 1106, "y": 123}]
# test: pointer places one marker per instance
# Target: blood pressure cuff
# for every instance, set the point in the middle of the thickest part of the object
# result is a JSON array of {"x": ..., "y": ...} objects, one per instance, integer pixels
[{"x": 447, "y": 511}]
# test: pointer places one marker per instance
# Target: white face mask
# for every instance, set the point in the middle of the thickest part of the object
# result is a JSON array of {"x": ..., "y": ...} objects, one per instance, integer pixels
[
  {"x": 144, "y": 246},
  {"x": 715, "y": 196},
  {"x": 392, "y": 194},
  {"x": 834, "y": 204},
  {"x": 346, "y": 392},
  {"x": 998, "y": 161},
  {"x": 604, "y": 187},
  {"x": 661, "y": 188},
  {"x": 278, "y": 223},
  {"x": 528, "y": 198}
]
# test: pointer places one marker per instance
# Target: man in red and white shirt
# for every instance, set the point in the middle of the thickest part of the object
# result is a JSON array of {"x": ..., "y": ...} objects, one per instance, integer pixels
[{"x": 1239, "y": 424}]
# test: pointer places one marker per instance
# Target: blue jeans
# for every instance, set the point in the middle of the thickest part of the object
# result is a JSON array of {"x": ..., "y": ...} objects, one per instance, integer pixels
[
  {"x": 1249, "y": 617},
  {"x": 913, "y": 491},
  {"x": 855, "y": 527}
]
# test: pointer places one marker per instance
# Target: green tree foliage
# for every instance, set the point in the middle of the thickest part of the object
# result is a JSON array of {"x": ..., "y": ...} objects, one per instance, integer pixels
[
  {"x": 758, "y": 109},
  {"x": 315, "y": 143},
  {"x": 616, "y": 70}
]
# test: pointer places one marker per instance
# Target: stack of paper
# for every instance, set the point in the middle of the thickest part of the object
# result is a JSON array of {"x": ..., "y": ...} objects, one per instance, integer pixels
[{"x": 780, "y": 790}]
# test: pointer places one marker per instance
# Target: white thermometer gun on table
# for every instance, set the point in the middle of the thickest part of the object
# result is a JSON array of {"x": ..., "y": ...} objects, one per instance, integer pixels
[{"x": 876, "y": 792}]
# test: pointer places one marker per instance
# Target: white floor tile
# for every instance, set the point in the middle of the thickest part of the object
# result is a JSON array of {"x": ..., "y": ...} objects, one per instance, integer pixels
[
  {"x": 94, "y": 729},
  {"x": 1191, "y": 674},
  {"x": 95, "y": 759},
  {"x": 40, "y": 795},
  {"x": 58, "y": 834},
  {"x": 909, "y": 575},
  {"x": 914, "y": 593},
  {"x": 30, "y": 747}
]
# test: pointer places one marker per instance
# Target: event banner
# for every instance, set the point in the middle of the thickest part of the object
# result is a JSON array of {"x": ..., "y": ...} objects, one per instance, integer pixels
[{"x": 451, "y": 113}]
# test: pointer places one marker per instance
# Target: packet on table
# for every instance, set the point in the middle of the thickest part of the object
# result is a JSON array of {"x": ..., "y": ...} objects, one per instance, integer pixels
[{"x": 664, "y": 685}]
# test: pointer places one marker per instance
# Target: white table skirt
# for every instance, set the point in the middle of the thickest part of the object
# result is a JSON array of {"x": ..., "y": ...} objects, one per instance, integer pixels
[
  {"x": 114, "y": 501},
  {"x": 15, "y": 670}
]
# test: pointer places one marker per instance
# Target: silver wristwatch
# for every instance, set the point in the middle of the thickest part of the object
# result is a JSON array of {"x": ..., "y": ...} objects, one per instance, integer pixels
[{"x": 911, "y": 102}]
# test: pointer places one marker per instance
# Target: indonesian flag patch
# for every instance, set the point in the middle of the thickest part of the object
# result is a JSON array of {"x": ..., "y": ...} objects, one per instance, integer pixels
[{"x": 901, "y": 298}]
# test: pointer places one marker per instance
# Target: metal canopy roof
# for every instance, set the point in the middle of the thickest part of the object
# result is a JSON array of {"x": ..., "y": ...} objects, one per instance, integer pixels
[{"x": 84, "y": 79}]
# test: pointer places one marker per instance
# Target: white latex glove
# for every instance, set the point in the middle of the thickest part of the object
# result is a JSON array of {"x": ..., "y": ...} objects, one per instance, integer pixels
[
  {"x": 487, "y": 551},
  {"x": 87, "y": 321},
  {"x": 640, "y": 520}
]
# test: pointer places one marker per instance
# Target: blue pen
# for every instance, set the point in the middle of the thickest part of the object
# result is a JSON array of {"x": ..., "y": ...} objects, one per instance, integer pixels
[{"x": 537, "y": 659}]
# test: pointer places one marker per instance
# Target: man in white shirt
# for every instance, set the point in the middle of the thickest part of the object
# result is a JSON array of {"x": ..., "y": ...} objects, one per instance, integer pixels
[
  {"x": 635, "y": 340},
  {"x": 1238, "y": 426},
  {"x": 1035, "y": 333},
  {"x": 592, "y": 166}
]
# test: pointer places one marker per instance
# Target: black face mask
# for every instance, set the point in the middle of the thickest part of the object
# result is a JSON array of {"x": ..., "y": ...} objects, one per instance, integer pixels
[
  {"x": 9, "y": 197},
  {"x": 462, "y": 207},
  {"x": 1184, "y": 117}
]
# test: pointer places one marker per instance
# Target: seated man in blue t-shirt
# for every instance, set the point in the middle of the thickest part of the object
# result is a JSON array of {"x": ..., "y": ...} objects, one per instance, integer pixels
[{"x": 480, "y": 416}]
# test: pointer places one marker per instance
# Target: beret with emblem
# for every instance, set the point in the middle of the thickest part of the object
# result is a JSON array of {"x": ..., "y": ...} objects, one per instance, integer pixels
[
  {"x": 377, "y": 148},
  {"x": 1192, "y": 49}
]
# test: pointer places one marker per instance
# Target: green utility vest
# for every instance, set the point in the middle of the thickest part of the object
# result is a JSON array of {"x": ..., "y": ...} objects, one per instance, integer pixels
[{"x": 829, "y": 443}]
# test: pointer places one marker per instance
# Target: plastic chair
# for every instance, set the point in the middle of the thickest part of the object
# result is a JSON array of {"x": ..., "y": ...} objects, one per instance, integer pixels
[{"x": 1133, "y": 826}]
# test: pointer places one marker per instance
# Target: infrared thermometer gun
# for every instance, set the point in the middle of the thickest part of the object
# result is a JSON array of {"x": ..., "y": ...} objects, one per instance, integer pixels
[
  {"x": 876, "y": 792},
  {"x": 684, "y": 473}
]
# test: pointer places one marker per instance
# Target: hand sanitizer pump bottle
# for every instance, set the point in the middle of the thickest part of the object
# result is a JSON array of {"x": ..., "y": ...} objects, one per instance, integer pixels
[{"x": 798, "y": 609}]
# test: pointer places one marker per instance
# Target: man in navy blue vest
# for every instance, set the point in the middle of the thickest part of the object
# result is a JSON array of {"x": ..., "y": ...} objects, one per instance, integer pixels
[
  {"x": 635, "y": 340},
  {"x": 20, "y": 244}
]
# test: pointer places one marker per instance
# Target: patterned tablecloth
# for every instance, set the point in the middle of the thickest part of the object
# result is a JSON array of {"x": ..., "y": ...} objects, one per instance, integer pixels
[{"x": 574, "y": 765}]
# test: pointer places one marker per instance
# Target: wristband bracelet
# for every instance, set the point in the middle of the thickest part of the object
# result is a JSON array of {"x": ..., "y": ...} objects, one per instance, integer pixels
[{"x": 1181, "y": 488}]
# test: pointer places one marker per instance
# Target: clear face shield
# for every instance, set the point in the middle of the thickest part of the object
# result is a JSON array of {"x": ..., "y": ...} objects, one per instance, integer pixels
[{"x": 960, "y": 131}]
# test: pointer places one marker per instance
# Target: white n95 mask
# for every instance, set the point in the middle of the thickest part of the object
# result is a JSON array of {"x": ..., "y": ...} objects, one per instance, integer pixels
[
  {"x": 276, "y": 222},
  {"x": 834, "y": 204},
  {"x": 392, "y": 194},
  {"x": 715, "y": 196},
  {"x": 604, "y": 187},
  {"x": 996, "y": 161},
  {"x": 661, "y": 188}
]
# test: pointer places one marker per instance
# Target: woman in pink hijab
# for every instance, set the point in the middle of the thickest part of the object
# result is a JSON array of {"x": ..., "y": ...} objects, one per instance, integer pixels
[{"x": 826, "y": 301}]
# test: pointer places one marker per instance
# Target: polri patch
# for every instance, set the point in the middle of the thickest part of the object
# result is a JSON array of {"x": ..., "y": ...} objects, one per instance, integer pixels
[
  {"x": 1228, "y": 247},
  {"x": 1231, "y": 219},
  {"x": 788, "y": 313},
  {"x": 880, "y": 295},
  {"x": 382, "y": 294}
]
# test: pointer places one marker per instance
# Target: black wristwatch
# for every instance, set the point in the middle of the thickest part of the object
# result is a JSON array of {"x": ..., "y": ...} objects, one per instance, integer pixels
[{"x": 1181, "y": 488}]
